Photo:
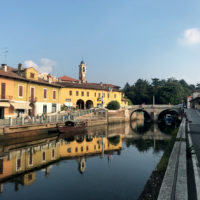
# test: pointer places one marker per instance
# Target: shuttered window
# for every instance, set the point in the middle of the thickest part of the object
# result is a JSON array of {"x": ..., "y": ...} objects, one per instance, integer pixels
[
  {"x": 20, "y": 91},
  {"x": 54, "y": 94},
  {"x": 32, "y": 75},
  {"x": 3, "y": 90},
  {"x": 45, "y": 93}
]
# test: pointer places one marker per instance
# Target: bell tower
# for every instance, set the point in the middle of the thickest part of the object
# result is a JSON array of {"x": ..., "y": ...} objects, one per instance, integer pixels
[{"x": 82, "y": 72}]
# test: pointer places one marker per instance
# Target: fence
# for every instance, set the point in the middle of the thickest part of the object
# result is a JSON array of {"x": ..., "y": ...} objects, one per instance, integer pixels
[{"x": 49, "y": 119}]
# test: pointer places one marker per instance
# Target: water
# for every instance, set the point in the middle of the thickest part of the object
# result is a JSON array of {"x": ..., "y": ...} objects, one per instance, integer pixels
[{"x": 111, "y": 162}]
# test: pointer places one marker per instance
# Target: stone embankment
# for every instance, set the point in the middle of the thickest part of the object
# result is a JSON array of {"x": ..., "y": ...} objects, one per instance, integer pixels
[
  {"x": 94, "y": 118},
  {"x": 174, "y": 185}
]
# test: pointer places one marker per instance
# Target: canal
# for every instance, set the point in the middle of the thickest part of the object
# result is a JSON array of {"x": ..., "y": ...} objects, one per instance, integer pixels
[{"x": 110, "y": 162}]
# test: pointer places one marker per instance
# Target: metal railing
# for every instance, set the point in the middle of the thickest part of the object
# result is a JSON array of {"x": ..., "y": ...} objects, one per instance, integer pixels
[{"x": 57, "y": 118}]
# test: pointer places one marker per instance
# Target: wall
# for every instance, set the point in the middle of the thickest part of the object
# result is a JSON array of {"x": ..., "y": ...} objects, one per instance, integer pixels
[{"x": 65, "y": 94}]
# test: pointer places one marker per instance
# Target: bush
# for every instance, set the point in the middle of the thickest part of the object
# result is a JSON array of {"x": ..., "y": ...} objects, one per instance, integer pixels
[{"x": 113, "y": 105}]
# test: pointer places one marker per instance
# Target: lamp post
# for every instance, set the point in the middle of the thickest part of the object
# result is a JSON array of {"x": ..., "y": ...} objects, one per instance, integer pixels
[{"x": 102, "y": 99}]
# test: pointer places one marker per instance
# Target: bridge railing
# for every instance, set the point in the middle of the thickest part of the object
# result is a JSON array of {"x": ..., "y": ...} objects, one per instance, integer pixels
[{"x": 154, "y": 106}]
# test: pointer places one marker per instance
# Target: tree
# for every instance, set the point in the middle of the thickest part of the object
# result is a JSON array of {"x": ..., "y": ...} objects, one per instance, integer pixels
[{"x": 113, "y": 105}]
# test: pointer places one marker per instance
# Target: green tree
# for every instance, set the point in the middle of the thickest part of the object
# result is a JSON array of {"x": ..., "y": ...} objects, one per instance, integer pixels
[{"x": 113, "y": 105}]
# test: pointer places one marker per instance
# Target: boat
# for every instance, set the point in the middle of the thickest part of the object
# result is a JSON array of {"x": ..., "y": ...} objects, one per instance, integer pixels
[
  {"x": 72, "y": 127},
  {"x": 169, "y": 119}
]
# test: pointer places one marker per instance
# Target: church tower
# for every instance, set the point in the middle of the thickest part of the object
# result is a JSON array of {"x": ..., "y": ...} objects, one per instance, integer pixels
[{"x": 82, "y": 72}]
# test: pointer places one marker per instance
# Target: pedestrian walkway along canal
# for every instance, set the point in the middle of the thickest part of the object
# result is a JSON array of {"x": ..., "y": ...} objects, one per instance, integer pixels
[{"x": 110, "y": 162}]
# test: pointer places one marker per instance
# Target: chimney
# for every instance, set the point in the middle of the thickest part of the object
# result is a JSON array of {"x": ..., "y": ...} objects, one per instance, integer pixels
[
  {"x": 49, "y": 78},
  {"x": 20, "y": 68},
  {"x": 4, "y": 67}
]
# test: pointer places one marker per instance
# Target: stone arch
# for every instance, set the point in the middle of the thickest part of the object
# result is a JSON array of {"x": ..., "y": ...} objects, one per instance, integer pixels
[
  {"x": 173, "y": 112},
  {"x": 147, "y": 115},
  {"x": 140, "y": 129},
  {"x": 89, "y": 104},
  {"x": 80, "y": 104}
]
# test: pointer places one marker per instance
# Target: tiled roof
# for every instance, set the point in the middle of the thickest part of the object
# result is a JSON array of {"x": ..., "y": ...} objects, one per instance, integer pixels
[
  {"x": 95, "y": 86},
  {"x": 12, "y": 73},
  {"x": 68, "y": 79}
]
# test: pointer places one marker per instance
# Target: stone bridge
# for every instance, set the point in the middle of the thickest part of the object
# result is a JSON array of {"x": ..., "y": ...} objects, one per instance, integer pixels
[{"x": 154, "y": 111}]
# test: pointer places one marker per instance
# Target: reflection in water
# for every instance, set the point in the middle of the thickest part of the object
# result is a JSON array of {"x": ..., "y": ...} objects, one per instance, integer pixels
[{"x": 20, "y": 161}]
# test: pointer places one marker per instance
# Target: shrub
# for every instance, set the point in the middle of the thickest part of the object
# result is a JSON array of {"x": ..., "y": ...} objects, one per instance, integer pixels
[{"x": 113, "y": 105}]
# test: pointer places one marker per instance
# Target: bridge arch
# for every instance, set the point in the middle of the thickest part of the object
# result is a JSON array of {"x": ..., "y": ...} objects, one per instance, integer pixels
[
  {"x": 173, "y": 112},
  {"x": 146, "y": 114}
]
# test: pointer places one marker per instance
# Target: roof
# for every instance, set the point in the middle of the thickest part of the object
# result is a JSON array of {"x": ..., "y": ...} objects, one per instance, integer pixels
[
  {"x": 68, "y": 79},
  {"x": 94, "y": 86},
  {"x": 12, "y": 74}
]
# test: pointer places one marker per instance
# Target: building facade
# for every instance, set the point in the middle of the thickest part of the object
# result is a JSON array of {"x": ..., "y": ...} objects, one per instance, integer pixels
[{"x": 25, "y": 92}]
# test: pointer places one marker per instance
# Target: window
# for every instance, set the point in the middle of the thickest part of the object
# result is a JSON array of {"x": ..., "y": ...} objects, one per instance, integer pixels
[
  {"x": 54, "y": 107},
  {"x": 30, "y": 159},
  {"x": 99, "y": 146},
  {"x": 83, "y": 69},
  {"x": 18, "y": 163},
  {"x": 70, "y": 93},
  {"x": 87, "y": 148},
  {"x": 108, "y": 95},
  {"x": 43, "y": 156},
  {"x": 32, "y": 75},
  {"x": 76, "y": 149},
  {"x": 44, "y": 109},
  {"x": 30, "y": 177},
  {"x": 3, "y": 90},
  {"x": 69, "y": 150},
  {"x": 53, "y": 153},
  {"x": 94, "y": 147},
  {"x": 20, "y": 91},
  {"x": 77, "y": 93},
  {"x": 99, "y": 94},
  {"x": 115, "y": 96},
  {"x": 88, "y": 94},
  {"x": 54, "y": 94},
  {"x": 1, "y": 166},
  {"x": 82, "y": 93},
  {"x": 45, "y": 93},
  {"x": 81, "y": 148},
  {"x": 95, "y": 94}
]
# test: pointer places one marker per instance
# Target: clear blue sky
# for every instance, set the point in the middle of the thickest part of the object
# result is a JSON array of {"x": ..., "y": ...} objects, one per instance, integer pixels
[{"x": 120, "y": 41}]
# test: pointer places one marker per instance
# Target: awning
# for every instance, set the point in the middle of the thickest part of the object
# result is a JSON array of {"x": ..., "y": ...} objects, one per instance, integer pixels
[
  {"x": 21, "y": 105},
  {"x": 4, "y": 104}
]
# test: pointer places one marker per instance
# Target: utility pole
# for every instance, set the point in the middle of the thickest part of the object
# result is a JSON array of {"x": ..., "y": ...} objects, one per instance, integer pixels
[{"x": 153, "y": 100}]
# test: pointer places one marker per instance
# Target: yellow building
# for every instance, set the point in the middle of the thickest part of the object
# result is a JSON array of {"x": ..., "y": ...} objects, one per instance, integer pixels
[
  {"x": 26, "y": 159},
  {"x": 81, "y": 94},
  {"x": 25, "y": 92},
  {"x": 29, "y": 94}
]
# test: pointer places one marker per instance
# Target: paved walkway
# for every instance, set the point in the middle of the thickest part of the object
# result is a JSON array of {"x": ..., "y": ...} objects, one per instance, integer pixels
[{"x": 194, "y": 133}]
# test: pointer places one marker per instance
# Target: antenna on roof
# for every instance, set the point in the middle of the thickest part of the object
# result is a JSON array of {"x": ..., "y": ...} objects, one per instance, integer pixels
[{"x": 5, "y": 53}]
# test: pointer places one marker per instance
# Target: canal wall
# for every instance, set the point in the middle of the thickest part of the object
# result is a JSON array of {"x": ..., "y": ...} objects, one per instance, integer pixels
[
  {"x": 95, "y": 118},
  {"x": 174, "y": 185}
]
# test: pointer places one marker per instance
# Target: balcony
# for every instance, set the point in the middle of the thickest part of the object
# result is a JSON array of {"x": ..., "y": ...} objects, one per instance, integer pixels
[
  {"x": 6, "y": 97},
  {"x": 32, "y": 99}
]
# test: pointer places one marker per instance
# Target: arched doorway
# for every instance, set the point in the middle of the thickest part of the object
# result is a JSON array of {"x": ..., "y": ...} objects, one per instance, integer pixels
[
  {"x": 80, "y": 104},
  {"x": 89, "y": 104}
]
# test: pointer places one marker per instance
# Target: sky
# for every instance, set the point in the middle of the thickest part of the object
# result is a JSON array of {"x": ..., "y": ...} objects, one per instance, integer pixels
[{"x": 119, "y": 41}]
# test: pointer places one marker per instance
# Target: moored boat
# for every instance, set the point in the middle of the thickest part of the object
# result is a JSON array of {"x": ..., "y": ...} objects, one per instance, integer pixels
[{"x": 72, "y": 127}]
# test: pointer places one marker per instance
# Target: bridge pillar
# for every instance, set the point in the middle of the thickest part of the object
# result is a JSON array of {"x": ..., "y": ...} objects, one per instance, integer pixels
[{"x": 153, "y": 116}]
